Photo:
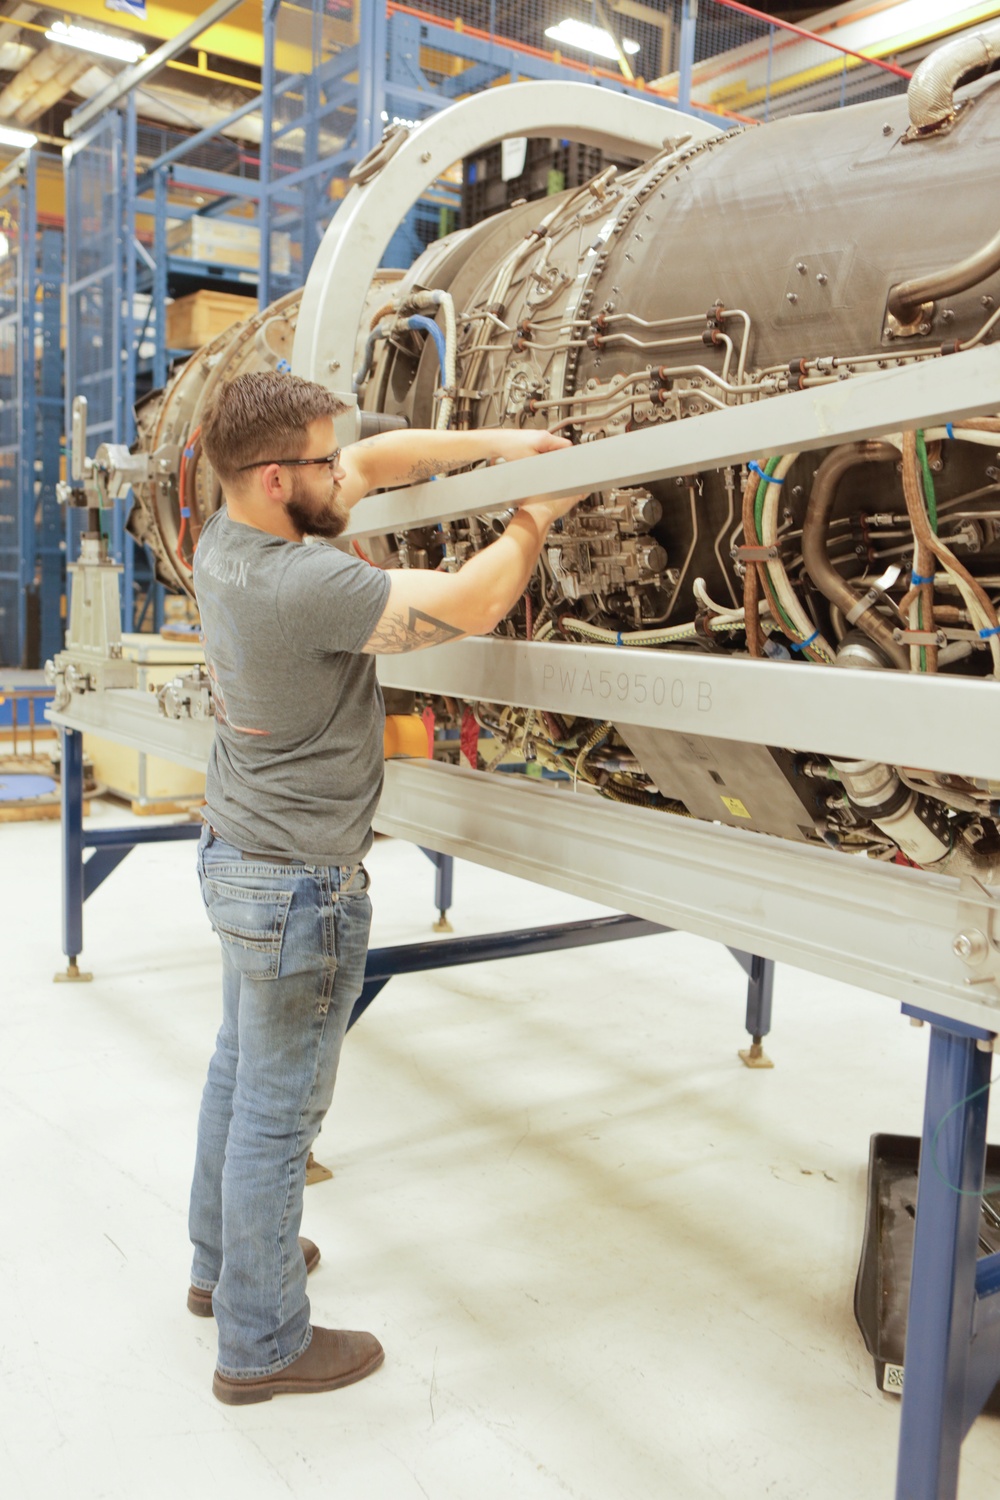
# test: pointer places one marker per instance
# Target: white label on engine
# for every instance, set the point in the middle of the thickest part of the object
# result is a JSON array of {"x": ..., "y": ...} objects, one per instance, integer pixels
[{"x": 624, "y": 687}]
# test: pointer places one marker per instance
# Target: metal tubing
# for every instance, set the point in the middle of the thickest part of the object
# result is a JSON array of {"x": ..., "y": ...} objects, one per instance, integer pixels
[
  {"x": 815, "y": 530},
  {"x": 942, "y": 1289},
  {"x": 906, "y": 299},
  {"x": 927, "y": 394},
  {"x": 361, "y": 229}
]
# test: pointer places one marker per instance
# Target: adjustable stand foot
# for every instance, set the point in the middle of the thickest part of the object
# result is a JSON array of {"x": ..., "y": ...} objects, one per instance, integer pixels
[
  {"x": 72, "y": 974},
  {"x": 315, "y": 1171},
  {"x": 442, "y": 924},
  {"x": 754, "y": 1056}
]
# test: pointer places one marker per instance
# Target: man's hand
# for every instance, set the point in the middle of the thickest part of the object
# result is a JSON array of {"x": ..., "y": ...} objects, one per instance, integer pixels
[
  {"x": 412, "y": 456},
  {"x": 511, "y": 443},
  {"x": 544, "y": 512}
]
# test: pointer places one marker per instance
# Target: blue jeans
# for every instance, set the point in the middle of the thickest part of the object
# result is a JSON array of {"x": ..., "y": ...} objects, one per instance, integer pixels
[{"x": 294, "y": 939}]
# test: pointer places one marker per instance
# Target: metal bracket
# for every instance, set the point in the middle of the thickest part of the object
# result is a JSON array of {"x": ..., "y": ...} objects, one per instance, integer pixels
[
  {"x": 919, "y": 324},
  {"x": 919, "y": 637},
  {"x": 755, "y": 554},
  {"x": 977, "y": 943}
]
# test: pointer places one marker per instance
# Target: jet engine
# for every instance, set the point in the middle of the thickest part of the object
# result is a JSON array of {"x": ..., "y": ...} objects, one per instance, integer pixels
[{"x": 721, "y": 272}]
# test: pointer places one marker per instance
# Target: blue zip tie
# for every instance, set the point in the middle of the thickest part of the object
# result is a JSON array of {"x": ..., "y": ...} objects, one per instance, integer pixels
[
  {"x": 984, "y": 635},
  {"x": 619, "y": 640},
  {"x": 189, "y": 452},
  {"x": 801, "y": 645},
  {"x": 949, "y": 429},
  {"x": 283, "y": 367},
  {"x": 768, "y": 478},
  {"x": 185, "y": 511},
  {"x": 916, "y": 578}
]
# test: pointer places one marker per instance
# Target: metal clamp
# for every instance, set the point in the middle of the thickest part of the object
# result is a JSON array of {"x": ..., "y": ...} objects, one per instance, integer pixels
[
  {"x": 755, "y": 554},
  {"x": 919, "y": 637},
  {"x": 188, "y": 696},
  {"x": 873, "y": 595}
]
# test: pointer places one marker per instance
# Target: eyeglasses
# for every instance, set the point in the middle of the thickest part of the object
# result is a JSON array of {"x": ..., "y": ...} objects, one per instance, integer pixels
[{"x": 331, "y": 460}]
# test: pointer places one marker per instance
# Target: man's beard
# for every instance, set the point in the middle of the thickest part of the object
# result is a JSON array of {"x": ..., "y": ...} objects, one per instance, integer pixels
[{"x": 309, "y": 519}]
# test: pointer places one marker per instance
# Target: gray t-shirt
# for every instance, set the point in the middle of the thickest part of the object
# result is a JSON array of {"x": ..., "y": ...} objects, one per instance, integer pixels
[{"x": 296, "y": 763}]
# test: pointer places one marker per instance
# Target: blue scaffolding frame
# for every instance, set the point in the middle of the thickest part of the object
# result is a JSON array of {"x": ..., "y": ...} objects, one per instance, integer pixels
[{"x": 31, "y": 551}]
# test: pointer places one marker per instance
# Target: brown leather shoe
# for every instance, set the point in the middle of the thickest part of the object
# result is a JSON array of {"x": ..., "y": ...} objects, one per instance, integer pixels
[
  {"x": 200, "y": 1302},
  {"x": 334, "y": 1358}
]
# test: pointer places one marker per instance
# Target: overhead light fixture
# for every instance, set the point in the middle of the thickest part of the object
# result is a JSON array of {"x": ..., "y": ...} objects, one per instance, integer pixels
[
  {"x": 22, "y": 139},
  {"x": 588, "y": 38},
  {"x": 118, "y": 47}
]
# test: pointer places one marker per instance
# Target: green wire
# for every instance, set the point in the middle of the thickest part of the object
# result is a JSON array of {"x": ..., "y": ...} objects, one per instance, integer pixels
[
  {"x": 920, "y": 626},
  {"x": 929, "y": 494},
  {"x": 960, "y": 1192},
  {"x": 931, "y": 501},
  {"x": 758, "y": 515}
]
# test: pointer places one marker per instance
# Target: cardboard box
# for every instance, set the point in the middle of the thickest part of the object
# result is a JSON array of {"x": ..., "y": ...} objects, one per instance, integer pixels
[{"x": 198, "y": 319}]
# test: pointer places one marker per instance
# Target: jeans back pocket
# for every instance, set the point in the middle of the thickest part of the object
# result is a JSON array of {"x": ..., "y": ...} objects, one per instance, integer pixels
[{"x": 251, "y": 923}]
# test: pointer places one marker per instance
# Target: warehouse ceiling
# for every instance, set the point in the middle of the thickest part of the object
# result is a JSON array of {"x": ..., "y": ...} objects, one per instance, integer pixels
[{"x": 42, "y": 80}]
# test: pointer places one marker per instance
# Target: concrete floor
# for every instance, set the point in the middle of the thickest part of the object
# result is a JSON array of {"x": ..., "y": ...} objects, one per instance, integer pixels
[{"x": 606, "y": 1261}]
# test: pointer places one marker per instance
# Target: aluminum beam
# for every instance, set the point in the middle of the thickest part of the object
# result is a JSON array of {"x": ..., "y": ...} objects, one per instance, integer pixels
[
  {"x": 133, "y": 718},
  {"x": 928, "y": 394},
  {"x": 352, "y": 248},
  {"x": 941, "y": 723},
  {"x": 881, "y": 927},
  {"x": 878, "y": 926}
]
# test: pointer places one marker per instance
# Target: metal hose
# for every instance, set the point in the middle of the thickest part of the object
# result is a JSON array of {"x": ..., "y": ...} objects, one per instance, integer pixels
[
  {"x": 906, "y": 299},
  {"x": 931, "y": 101},
  {"x": 931, "y": 93},
  {"x": 814, "y": 541}
]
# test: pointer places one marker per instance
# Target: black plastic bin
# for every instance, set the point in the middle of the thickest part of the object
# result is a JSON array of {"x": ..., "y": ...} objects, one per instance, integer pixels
[{"x": 882, "y": 1290}]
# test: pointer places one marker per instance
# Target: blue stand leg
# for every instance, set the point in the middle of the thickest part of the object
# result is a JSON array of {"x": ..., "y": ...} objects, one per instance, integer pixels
[
  {"x": 444, "y": 864},
  {"x": 952, "y": 1343},
  {"x": 760, "y": 991},
  {"x": 71, "y": 797}
]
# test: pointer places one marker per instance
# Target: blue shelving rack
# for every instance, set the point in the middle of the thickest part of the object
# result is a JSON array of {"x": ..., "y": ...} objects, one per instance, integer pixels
[{"x": 31, "y": 550}]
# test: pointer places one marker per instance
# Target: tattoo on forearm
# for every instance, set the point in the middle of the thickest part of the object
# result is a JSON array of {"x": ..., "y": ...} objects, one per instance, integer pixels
[
  {"x": 410, "y": 630},
  {"x": 427, "y": 468}
]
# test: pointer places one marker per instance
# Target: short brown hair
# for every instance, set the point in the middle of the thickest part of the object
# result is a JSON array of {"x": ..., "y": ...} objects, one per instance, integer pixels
[{"x": 260, "y": 416}]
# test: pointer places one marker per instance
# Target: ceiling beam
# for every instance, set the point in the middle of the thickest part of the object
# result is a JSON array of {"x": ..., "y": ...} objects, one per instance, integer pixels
[{"x": 137, "y": 74}]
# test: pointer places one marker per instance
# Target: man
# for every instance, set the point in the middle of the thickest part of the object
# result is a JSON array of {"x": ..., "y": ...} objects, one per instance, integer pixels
[{"x": 291, "y": 629}]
